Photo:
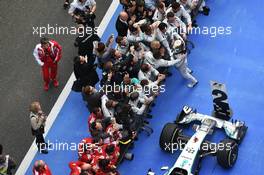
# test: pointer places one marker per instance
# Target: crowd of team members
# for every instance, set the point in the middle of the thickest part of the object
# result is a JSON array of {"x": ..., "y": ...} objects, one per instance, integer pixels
[{"x": 152, "y": 36}]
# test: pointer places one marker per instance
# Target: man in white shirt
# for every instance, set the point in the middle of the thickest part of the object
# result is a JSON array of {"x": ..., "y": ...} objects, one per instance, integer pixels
[
  {"x": 178, "y": 49},
  {"x": 122, "y": 45},
  {"x": 150, "y": 73},
  {"x": 107, "y": 111},
  {"x": 174, "y": 22},
  {"x": 82, "y": 5},
  {"x": 156, "y": 61},
  {"x": 150, "y": 4},
  {"x": 180, "y": 12},
  {"x": 190, "y": 5},
  {"x": 134, "y": 34},
  {"x": 139, "y": 104},
  {"x": 162, "y": 37},
  {"x": 160, "y": 12}
]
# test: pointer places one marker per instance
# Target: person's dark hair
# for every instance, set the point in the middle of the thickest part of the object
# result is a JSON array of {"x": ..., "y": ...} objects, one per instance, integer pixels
[
  {"x": 132, "y": 29},
  {"x": 134, "y": 96},
  {"x": 170, "y": 15},
  {"x": 93, "y": 125},
  {"x": 175, "y": 5},
  {"x": 137, "y": 46},
  {"x": 38, "y": 168},
  {"x": 87, "y": 90},
  {"x": 84, "y": 172},
  {"x": 162, "y": 26},
  {"x": 103, "y": 163},
  {"x": 110, "y": 149},
  {"x": 44, "y": 40},
  {"x": 130, "y": 58},
  {"x": 76, "y": 59},
  {"x": 156, "y": 55},
  {"x": 95, "y": 110},
  {"x": 145, "y": 67},
  {"x": 160, "y": 5},
  {"x": 144, "y": 82},
  {"x": 130, "y": 5},
  {"x": 140, "y": 4},
  {"x": 119, "y": 39},
  {"x": 96, "y": 139},
  {"x": 109, "y": 104},
  {"x": 126, "y": 109},
  {"x": 146, "y": 29},
  {"x": 112, "y": 52},
  {"x": 101, "y": 47}
]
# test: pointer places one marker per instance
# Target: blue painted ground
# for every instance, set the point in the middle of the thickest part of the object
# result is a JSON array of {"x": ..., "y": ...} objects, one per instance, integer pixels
[{"x": 235, "y": 60}]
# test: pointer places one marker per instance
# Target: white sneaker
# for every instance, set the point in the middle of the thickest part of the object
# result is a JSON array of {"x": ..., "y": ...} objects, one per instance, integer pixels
[
  {"x": 189, "y": 70},
  {"x": 191, "y": 85}
]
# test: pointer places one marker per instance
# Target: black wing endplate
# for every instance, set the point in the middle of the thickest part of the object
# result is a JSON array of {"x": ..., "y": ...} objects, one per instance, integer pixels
[{"x": 220, "y": 101}]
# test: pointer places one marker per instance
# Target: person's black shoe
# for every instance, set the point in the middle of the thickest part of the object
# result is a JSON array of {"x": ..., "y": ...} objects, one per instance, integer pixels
[
  {"x": 206, "y": 11},
  {"x": 168, "y": 74},
  {"x": 149, "y": 116},
  {"x": 44, "y": 151},
  {"x": 195, "y": 25},
  {"x": 47, "y": 145},
  {"x": 206, "y": 8},
  {"x": 146, "y": 122}
]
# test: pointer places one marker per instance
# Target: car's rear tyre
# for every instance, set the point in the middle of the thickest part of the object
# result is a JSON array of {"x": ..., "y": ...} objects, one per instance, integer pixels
[
  {"x": 227, "y": 153},
  {"x": 168, "y": 136}
]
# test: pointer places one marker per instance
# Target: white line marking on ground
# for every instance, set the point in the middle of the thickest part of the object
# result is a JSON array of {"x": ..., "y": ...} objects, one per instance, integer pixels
[{"x": 22, "y": 169}]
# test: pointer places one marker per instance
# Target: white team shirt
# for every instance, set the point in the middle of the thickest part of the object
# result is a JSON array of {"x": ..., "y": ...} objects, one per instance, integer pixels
[{"x": 76, "y": 4}]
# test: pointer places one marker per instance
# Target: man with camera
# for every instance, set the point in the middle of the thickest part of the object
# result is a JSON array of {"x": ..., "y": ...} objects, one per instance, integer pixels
[
  {"x": 83, "y": 11},
  {"x": 38, "y": 120}
]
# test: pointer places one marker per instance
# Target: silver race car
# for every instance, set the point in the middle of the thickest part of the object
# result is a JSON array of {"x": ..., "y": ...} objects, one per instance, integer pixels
[{"x": 194, "y": 148}]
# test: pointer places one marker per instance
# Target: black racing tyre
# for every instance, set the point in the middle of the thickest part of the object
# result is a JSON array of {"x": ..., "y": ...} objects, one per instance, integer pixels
[
  {"x": 169, "y": 135},
  {"x": 227, "y": 153}
]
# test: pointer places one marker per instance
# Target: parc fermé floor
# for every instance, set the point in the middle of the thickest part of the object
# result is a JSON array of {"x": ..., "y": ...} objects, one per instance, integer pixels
[{"x": 235, "y": 60}]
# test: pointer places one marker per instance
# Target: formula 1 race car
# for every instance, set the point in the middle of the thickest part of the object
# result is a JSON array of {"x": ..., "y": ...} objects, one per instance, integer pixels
[{"x": 196, "y": 147}]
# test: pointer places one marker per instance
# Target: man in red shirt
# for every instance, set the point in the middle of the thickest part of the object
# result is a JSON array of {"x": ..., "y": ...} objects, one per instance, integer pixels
[
  {"x": 86, "y": 150},
  {"x": 47, "y": 54},
  {"x": 96, "y": 114},
  {"x": 78, "y": 167},
  {"x": 41, "y": 168},
  {"x": 112, "y": 153}
]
